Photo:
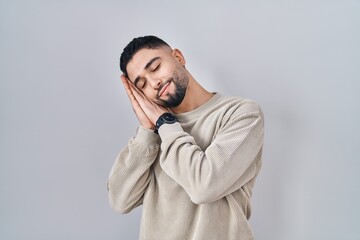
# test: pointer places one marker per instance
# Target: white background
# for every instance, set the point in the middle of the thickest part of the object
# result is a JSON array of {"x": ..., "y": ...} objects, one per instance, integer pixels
[{"x": 64, "y": 115}]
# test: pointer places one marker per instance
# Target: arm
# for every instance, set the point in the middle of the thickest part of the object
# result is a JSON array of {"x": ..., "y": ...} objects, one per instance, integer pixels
[
  {"x": 131, "y": 172},
  {"x": 232, "y": 159},
  {"x": 229, "y": 162}
]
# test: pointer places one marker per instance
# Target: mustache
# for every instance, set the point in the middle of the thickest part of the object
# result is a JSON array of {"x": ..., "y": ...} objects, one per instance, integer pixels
[{"x": 162, "y": 85}]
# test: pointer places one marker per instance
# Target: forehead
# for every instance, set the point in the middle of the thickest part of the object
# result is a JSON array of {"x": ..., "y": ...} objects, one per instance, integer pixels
[{"x": 138, "y": 62}]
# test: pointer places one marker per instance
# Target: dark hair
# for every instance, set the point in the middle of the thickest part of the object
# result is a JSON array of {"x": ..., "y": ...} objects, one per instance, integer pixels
[{"x": 150, "y": 42}]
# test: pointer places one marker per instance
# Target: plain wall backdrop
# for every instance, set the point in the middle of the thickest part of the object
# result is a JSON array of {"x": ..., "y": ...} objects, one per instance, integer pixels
[{"x": 65, "y": 116}]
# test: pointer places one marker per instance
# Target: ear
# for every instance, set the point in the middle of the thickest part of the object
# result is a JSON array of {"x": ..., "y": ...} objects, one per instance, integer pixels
[{"x": 179, "y": 57}]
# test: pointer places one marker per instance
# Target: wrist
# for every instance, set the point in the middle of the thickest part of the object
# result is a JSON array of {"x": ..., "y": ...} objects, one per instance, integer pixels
[
  {"x": 165, "y": 118},
  {"x": 148, "y": 126}
]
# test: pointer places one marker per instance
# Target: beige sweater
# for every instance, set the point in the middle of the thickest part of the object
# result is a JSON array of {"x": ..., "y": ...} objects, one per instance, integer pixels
[{"x": 195, "y": 178}]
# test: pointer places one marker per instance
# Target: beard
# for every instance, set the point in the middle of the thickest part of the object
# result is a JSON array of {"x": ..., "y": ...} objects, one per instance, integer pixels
[{"x": 180, "y": 80}]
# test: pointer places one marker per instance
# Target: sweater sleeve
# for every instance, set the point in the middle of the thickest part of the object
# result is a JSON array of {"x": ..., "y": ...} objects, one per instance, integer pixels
[
  {"x": 131, "y": 172},
  {"x": 229, "y": 162}
]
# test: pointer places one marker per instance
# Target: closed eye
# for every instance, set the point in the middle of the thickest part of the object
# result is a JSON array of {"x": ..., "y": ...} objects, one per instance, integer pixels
[
  {"x": 141, "y": 83},
  {"x": 156, "y": 68}
]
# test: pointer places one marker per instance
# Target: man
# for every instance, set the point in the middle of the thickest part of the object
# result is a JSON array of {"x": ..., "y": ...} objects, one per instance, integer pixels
[{"x": 195, "y": 156}]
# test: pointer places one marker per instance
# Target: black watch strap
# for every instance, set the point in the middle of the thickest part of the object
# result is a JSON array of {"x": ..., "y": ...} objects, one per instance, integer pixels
[{"x": 167, "y": 118}]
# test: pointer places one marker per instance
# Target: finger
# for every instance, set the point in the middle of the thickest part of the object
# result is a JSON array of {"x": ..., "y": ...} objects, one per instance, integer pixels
[
  {"x": 136, "y": 91},
  {"x": 130, "y": 87},
  {"x": 125, "y": 82},
  {"x": 130, "y": 93}
]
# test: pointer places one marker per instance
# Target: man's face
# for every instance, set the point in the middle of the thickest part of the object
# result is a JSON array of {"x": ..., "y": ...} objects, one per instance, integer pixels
[{"x": 160, "y": 75}]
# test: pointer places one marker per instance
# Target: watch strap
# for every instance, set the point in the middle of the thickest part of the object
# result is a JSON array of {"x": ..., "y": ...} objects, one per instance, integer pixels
[{"x": 167, "y": 118}]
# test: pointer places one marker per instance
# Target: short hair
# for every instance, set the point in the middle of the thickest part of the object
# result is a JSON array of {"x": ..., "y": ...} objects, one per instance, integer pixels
[{"x": 149, "y": 42}]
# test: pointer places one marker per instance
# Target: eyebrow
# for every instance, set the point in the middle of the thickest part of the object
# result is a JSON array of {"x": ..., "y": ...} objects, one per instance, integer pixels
[{"x": 145, "y": 68}]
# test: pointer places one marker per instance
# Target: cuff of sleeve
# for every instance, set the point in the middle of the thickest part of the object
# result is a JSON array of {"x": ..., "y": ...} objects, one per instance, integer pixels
[
  {"x": 167, "y": 130},
  {"x": 145, "y": 135}
]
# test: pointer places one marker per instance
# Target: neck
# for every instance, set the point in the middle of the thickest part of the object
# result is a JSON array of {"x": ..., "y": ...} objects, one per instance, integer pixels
[{"x": 195, "y": 96}]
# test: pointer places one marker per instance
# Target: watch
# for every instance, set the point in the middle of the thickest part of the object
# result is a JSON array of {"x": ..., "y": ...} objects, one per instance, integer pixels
[{"x": 165, "y": 118}]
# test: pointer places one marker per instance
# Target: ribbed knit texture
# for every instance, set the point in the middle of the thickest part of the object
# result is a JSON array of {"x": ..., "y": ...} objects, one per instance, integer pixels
[{"x": 195, "y": 178}]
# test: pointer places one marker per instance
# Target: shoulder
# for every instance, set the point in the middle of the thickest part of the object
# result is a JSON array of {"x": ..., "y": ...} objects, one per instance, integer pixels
[
  {"x": 240, "y": 113},
  {"x": 236, "y": 106}
]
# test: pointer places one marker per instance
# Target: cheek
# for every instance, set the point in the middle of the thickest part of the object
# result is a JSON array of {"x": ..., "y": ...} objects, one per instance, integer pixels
[
  {"x": 165, "y": 72},
  {"x": 150, "y": 93}
]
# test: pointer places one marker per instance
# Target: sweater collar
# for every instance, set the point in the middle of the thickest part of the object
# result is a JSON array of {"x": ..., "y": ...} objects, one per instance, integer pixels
[{"x": 200, "y": 110}]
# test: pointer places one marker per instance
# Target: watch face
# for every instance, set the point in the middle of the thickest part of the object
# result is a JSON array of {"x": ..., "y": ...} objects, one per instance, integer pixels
[
  {"x": 169, "y": 117},
  {"x": 165, "y": 118}
]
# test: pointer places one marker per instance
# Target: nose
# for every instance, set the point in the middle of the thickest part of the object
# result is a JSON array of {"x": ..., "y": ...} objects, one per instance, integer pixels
[{"x": 155, "y": 83}]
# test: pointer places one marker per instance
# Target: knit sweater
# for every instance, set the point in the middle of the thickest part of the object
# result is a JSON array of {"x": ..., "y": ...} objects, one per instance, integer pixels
[{"x": 195, "y": 178}]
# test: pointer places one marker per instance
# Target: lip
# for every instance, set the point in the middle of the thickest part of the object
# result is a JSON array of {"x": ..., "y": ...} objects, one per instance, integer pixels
[{"x": 163, "y": 89}]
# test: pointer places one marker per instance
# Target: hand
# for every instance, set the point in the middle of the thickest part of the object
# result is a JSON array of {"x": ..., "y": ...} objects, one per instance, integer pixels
[
  {"x": 146, "y": 110},
  {"x": 143, "y": 119}
]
